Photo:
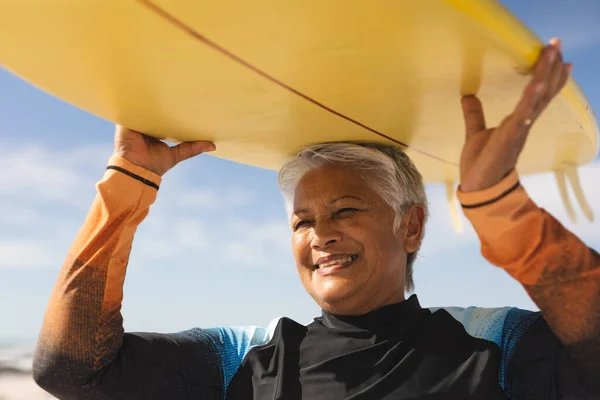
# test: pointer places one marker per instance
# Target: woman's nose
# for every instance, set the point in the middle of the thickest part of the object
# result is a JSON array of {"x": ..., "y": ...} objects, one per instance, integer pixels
[{"x": 324, "y": 235}]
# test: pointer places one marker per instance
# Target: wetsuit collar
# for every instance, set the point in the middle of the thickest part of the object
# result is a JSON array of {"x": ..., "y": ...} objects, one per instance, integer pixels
[{"x": 404, "y": 312}]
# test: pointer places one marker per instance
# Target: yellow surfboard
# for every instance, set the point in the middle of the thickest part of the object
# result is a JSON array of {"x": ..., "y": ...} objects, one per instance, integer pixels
[{"x": 266, "y": 77}]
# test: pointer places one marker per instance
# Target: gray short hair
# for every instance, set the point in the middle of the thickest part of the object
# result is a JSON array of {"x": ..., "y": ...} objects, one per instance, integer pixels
[{"x": 389, "y": 171}]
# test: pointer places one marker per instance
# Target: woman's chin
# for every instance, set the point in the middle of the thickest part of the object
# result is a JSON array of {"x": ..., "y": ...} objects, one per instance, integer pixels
[{"x": 334, "y": 292}]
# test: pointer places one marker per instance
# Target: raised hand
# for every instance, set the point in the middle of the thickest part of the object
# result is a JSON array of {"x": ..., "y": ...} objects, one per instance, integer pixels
[
  {"x": 153, "y": 154},
  {"x": 489, "y": 154}
]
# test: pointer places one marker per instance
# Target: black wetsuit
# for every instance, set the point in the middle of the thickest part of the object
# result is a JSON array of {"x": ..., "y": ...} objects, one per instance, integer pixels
[{"x": 396, "y": 352}]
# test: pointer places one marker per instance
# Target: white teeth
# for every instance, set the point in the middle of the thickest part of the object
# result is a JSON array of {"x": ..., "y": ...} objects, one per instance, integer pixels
[{"x": 337, "y": 261}]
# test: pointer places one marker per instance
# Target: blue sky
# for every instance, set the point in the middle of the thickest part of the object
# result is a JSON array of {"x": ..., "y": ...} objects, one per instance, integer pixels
[{"x": 215, "y": 247}]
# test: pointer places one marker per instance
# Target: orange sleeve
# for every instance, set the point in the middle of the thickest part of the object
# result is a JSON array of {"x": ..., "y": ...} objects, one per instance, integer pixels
[
  {"x": 82, "y": 329},
  {"x": 558, "y": 270}
]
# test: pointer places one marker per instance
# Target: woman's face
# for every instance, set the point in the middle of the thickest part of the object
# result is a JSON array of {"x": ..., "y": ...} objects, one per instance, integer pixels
[{"x": 349, "y": 257}]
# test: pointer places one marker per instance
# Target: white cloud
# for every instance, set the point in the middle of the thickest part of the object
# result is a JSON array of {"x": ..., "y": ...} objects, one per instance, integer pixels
[
  {"x": 236, "y": 240},
  {"x": 211, "y": 199},
  {"x": 42, "y": 181},
  {"x": 28, "y": 254},
  {"x": 15, "y": 215},
  {"x": 36, "y": 186},
  {"x": 163, "y": 236},
  {"x": 266, "y": 245},
  {"x": 40, "y": 175}
]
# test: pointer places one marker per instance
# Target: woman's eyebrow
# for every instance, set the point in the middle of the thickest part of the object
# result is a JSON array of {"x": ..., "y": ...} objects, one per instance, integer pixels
[
  {"x": 301, "y": 211},
  {"x": 344, "y": 197},
  {"x": 347, "y": 196}
]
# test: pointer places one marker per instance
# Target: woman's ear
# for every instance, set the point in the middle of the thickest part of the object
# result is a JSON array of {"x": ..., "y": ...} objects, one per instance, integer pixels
[{"x": 413, "y": 223}]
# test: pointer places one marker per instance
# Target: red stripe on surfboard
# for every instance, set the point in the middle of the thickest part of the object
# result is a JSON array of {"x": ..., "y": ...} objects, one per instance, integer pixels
[{"x": 160, "y": 11}]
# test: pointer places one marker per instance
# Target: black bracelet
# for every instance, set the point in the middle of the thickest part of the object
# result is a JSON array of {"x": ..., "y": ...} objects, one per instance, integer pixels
[
  {"x": 134, "y": 176},
  {"x": 485, "y": 203}
]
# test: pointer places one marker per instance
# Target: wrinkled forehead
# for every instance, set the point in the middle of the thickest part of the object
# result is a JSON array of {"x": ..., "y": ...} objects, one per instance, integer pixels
[{"x": 329, "y": 182}]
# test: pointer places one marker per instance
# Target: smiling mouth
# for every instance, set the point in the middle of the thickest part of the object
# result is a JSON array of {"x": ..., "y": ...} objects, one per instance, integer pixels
[{"x": 336, "y": 264}]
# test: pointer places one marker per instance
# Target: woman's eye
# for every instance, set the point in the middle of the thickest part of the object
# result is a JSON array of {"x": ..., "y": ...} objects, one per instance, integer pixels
[
  {"x": 300, "y": 224},
  {"x": 345, "y": 211}
]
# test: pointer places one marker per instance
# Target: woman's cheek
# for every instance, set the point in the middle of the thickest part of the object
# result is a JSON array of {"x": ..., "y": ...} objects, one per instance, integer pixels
[
  {"x": 301, "y": 247},
  {"x": 351, "y": 229}
]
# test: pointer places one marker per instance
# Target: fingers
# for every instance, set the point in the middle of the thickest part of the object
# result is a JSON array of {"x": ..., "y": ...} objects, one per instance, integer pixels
[
  {"x": 473, "y": 114},
  {"x": 557, "y": 68},
  {"x": 546, "y": 62},
  {"x": 184, "y": 151},
  {"x": 550, "y": 76}
]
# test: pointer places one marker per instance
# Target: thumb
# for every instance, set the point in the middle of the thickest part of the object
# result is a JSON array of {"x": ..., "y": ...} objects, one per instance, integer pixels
[
  {"x": 186, "y": 150},
  {"x": 473, "y": 114}
]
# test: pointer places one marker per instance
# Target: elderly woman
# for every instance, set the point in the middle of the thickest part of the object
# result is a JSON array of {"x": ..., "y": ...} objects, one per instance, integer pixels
[{"x": 357, "y": 215}]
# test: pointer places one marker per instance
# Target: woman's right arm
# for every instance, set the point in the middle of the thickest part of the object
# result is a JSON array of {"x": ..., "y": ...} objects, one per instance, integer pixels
[{"x": 82, "y": 351}]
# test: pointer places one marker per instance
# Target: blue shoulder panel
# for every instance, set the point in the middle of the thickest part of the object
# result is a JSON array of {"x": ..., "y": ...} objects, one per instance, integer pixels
[
  {"x": 504, "y": 326},
  {"x": 516, "y": 325},
  {"x": 234, "y": 342}
]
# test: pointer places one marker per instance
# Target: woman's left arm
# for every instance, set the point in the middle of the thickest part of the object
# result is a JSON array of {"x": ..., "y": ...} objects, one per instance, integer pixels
[{"x": 560, "y": 273}]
